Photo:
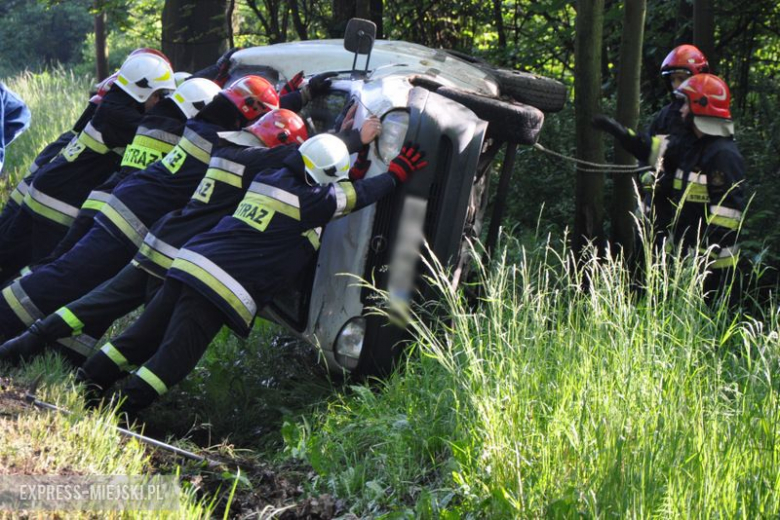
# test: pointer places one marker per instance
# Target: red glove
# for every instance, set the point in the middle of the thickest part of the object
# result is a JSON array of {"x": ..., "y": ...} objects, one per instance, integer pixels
[
  {"x": 361, "y": 166},
  {"x": 407, "y": 162},
  {"x": 292, "y": 85}
]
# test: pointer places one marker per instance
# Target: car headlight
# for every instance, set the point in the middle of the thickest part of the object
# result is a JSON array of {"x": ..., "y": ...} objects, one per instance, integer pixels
[
  {"x": 394, "y": 126},
  {"x": 349, "y": 342}
]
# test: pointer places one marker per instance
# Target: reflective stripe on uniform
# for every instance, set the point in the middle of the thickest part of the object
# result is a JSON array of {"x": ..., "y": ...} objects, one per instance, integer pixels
[
  {"x": 21, "y": 190},
  {"x": 96, "y": 200},
  {"x": 33, "y": 168},
  {"x": 276, "y": 199},
  {"x": 50, "y": 208},
  {"x": 219, "y": 281},
  {"x": 156, "y": 257},
  {"x": 124, "y": 219},
  {"x": 83, "y": 344},
  {"x": 93, "y": 139},
  {"x": 152, "y": 380},
  {"x": 21, "y": 304},
  {"x": 726, "y": 257},
  {"x": 725, "y": 217},
  {"x": 159, "y": 135},
  {"x": 226, "y": 171},
  {"x": 314, "y": 237},
  {"x": 696, "y": 190},
  {"x": 196, "y": 146},
  {"x": 70, "y": 319},
  {"x": 114, "y": 355},
  {"x": 346, "y": 198}
]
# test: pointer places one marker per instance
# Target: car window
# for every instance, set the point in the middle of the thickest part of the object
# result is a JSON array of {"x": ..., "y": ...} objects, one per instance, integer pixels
[{"x": 323, "y": 111}]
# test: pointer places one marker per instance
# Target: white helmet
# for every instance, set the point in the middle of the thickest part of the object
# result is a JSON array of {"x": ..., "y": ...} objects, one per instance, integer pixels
[
  {"x": 181, "y": 77},
  {"x": 194, "y": 94},
  {"x": 326, "y": 158},
  {"x": 141, "y": 75}
]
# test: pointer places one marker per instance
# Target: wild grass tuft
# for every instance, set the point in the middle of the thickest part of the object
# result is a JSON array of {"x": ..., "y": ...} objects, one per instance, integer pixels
[{"x": 546, "y": 399}]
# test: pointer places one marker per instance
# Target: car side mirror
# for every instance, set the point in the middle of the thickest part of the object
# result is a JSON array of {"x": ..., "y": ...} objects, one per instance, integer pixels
[{"x": 359, "y": 38}]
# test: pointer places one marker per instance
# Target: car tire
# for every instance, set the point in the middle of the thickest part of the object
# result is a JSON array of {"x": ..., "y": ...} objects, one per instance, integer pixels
[
  {"x": 546, "y": 94},
  {"x": 509, "y": 120}
]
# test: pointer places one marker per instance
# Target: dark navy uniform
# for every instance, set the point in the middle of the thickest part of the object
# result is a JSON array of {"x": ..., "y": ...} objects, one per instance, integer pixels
[
  {"x": 159, "y": 131},
  {"x": 58, "y": 191},
  {"x": 225, "y": 275},
  {"x": 17, "y": 242},
  {"x": 708, "y": 193},
  {"x": 120, "y": 227},
  {"x": 230, "y": 173}
]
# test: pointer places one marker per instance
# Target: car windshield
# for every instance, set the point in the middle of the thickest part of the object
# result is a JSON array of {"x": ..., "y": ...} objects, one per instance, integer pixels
[{"x": 323, "y": 111}]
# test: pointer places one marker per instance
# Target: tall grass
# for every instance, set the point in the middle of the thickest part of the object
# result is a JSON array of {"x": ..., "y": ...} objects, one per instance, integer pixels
[
  {"x": 56, "y": 99},
  {"x": 548, "y": 400}
]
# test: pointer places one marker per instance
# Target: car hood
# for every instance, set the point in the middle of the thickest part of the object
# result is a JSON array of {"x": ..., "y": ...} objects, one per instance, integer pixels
[{"x": 387, "y": 58}]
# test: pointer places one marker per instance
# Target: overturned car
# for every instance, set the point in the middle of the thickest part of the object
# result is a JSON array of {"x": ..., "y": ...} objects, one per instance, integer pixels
[{"x": 462, "y": 112}]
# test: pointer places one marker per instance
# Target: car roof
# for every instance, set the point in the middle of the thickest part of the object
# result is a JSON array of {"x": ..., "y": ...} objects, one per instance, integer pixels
[{"x": 388, "y": 57}]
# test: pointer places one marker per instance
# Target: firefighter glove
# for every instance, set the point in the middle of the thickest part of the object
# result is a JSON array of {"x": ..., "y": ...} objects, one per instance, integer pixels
[
  {"x": 407, "y": 162},
  {"x": 319, "y": 84},
  {"x": 223, "y": 67},
  {"x": 637, "y": 145},
  {"x": 361, "y": 166},
  {"x": 292, "y": 85}
]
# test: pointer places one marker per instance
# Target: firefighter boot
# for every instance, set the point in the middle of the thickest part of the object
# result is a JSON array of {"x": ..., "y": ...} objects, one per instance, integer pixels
[
  {"x": 93, "y": 392},
  {"x": 25, "y": 346}
]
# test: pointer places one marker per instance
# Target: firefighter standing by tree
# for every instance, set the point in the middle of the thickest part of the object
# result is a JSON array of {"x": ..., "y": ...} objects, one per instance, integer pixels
[
  {"x": 707, "y": 187},
  {"x": 665, "y": 141}
]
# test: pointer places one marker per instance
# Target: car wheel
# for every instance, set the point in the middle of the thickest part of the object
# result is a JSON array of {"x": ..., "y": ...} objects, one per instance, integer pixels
[
  {"x": 509, "y": 120},
  {"x": 546, "y": 94}
]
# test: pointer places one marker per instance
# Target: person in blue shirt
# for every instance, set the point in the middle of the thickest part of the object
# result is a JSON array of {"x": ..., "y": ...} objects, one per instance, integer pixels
[{"x": 14, "y": 119}]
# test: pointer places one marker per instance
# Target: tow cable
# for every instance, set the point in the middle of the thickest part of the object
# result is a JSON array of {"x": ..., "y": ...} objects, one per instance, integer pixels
[
  {"x": 31, "y": 400},
  {"x": 595, "y": 167}
]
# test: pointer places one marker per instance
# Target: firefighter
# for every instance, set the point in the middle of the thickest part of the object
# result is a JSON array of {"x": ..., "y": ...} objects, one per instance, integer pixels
[
  {"x": 217, "y": 196},
  {"x": 707, "y": 187},
  {"x": 136, "y": 203},
  {"x": 260, "y": 146},
  {"x": 225, "y": 275},
  {"x": 14, "y": 119},
  {"x": 158, "y": 133},
  {"x": 665, "y": 141},
  {"x": 88, "y": 160}
]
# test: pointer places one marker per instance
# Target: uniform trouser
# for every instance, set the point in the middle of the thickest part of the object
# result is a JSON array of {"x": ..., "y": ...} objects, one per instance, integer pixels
[
  {"x": 93, "y": 313},
  {"x": 46, "y": 234},
  {"x": 95, "y": 259},
  {"x": 15, "y": 244},
  {"x": 77, "y": 231},
  {"x": 166, "y": 342}
]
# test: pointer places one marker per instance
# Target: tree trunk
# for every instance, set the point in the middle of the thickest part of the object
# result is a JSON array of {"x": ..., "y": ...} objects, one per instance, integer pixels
[
  {"x": 377, "y": 12},
  {"x": 629, "y": 78},
  {"x": 343, "y": 10},
  {"x": 589, "y": 203},
  {"x": 498, "y": 19},
  {"x": 101, "y": 56},
  {"x": 704, "y": 29},
  {"x": 195, "y": 33}
]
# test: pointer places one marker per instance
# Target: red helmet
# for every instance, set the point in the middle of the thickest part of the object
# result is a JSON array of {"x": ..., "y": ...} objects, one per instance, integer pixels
[
  {"x": 709, "y": 100},
  {"x": 278, "y": 127},
  {"x": 253, "y": 96},
  {"x": 102, "y": 88},
  {"x": 149, "y": 50},
  {"x": 685, "y": 58}
]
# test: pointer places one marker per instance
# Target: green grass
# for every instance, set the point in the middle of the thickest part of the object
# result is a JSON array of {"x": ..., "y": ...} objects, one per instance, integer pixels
[
  {"x": 56, "y": 100},
  {"x": 547, "y": 400}
]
